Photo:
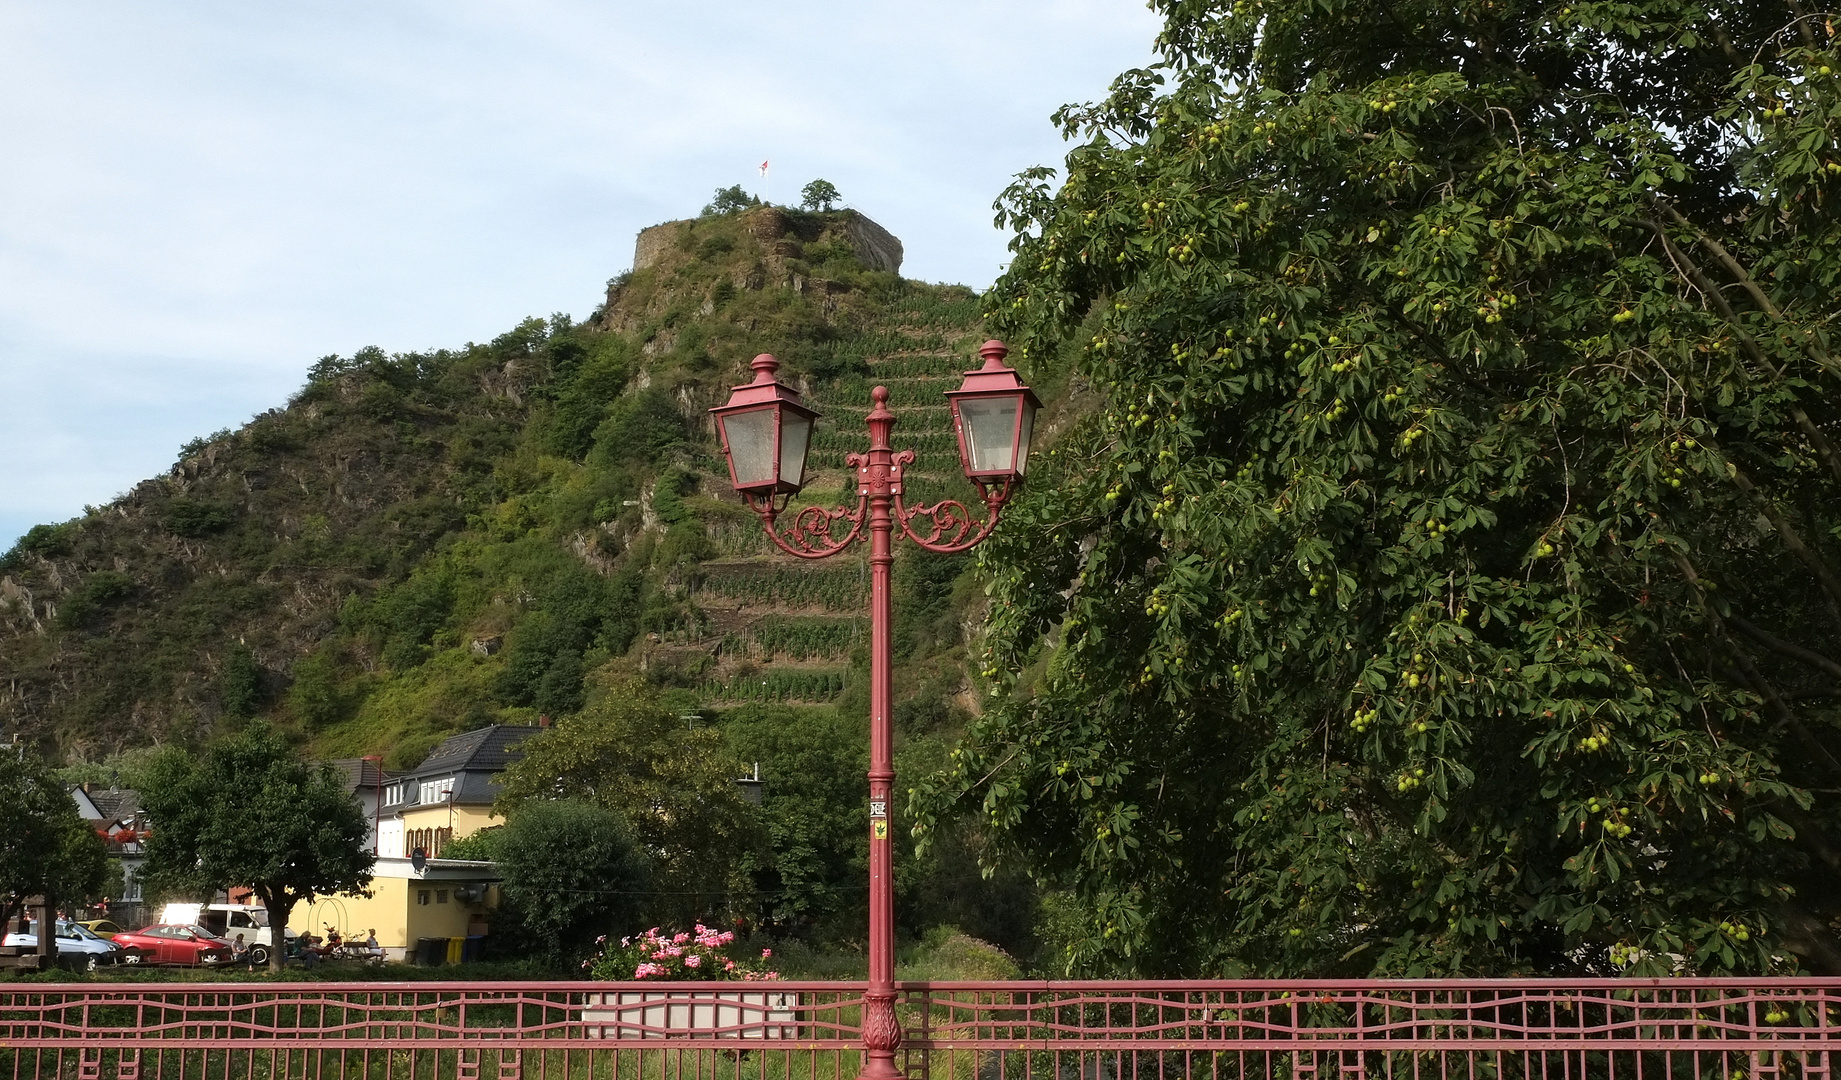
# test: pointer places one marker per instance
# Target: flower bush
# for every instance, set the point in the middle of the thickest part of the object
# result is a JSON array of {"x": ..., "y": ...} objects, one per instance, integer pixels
[{"x": 686, "y": 956}]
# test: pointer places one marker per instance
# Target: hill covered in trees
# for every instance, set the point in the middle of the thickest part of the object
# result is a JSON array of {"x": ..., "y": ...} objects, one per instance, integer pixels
[{"x": 424, "y": 543}]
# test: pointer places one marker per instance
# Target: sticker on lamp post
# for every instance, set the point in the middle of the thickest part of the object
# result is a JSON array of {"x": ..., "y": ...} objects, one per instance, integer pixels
[{"x": 879, "y": 829}]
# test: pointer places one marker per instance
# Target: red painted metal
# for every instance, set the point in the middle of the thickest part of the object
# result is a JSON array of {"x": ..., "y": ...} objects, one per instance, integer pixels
[
  {"x": 817, "y": 533},
  {"x": 1477, "y": 1029}
]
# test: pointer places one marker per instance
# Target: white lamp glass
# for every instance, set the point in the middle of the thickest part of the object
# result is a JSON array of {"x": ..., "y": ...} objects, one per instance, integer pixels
[
  {"x": 990, "y": 432},
  {"x": 751, "y": 446},
  {"x": 795, "y": 437},
  {"x": 1022, "y": 444}
]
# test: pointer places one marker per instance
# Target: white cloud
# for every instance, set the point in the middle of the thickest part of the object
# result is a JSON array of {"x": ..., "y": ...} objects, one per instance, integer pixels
[{"x": 201, "y": 197}]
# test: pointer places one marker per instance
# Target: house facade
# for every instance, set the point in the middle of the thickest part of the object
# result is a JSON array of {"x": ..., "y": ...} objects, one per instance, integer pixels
[
  {"x": 449, "y": 795},
  {"x": 415, "y": 894},
  {"x": 116, "y": 815}
]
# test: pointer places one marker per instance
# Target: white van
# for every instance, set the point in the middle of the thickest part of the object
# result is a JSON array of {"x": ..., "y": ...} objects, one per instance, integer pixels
[{"x": 227, "y": 921}]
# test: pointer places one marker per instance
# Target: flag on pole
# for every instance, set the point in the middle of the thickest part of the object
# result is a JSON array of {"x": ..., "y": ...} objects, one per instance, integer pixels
[{"x": 763, "y": 168}]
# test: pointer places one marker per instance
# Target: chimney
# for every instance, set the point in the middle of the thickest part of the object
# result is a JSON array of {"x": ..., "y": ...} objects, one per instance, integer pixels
[{"x": 543, "y": 721}]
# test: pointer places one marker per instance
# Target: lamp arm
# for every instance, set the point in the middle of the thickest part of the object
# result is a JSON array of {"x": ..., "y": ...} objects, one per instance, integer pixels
[
  {"x": 951, "y": 520},
  {"x": 810, "y": 536}
]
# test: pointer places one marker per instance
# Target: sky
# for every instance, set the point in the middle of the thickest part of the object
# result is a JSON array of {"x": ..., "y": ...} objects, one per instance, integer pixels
[{"x": 198, "y": 199}]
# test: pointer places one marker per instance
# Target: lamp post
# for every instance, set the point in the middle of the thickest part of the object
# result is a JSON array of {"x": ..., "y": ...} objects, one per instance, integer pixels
[{"x": 766, "y": 430}]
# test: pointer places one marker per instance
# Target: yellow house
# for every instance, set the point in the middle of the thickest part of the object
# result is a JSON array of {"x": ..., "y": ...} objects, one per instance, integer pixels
[
  {"x": 446, "y": 899},
  {"x": 448, "y": 796}
]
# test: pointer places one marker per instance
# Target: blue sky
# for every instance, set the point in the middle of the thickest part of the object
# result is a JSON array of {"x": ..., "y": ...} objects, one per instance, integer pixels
[{"x": 197, "y": 199}]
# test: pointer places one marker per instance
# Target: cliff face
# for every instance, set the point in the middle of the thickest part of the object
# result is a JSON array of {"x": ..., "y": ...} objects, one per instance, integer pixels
[{"x": 422, "y": 543}]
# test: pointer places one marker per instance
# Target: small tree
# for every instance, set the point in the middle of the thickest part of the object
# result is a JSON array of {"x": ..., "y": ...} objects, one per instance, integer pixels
[
  {"x": 675, "y": 785},
  {"x": 819, "y": 195},
  {"x": 729, "y": 200},
  {"x": 571, "y": 870},
  {"x": 248, "y": 812},
  {"x": 45, "y": 845}
]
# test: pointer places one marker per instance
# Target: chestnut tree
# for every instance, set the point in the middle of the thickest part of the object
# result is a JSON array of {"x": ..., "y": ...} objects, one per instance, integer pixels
[{"x": 1441, "y": 574}]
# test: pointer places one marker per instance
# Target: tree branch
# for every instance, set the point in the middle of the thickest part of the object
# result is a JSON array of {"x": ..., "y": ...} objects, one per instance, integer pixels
[
  {"x": 1785, "y": 648},
  {"x": 1817, "y": 749},
  {"x": 1707, "y": 288},
  {"x": 1792, "y": 540}
]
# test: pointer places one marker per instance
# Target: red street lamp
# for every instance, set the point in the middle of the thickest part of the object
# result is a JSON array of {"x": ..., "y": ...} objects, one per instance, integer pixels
[{"x": 766, "y": 431}]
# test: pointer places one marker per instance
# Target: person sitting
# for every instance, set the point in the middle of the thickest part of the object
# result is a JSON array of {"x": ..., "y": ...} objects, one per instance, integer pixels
[
  {"x": 239, "y": 951},
  {"x": 333, "y": 941},
  {"x": 373, "y": 950}
]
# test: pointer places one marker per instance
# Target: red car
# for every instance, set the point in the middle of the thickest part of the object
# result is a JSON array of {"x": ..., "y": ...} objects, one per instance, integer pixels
[{"x": 168, "y": 943}]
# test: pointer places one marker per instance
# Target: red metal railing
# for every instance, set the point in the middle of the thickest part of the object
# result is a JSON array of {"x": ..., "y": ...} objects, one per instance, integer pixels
[{"x": 1670, "y": 1029}]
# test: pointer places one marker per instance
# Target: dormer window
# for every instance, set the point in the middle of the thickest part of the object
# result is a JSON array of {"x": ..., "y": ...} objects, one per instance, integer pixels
[{"x": 436, "y": 790}]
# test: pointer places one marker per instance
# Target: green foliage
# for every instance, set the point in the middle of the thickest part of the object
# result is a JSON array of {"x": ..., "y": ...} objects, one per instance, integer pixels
[
  {"x": 192, "y": 519},
  {"x": 806, "y": 637},
  {"x": 837, "y": 590},
  {"x": 248, "y": 812},
  {"x": 44, "y": 541},
  {"x": 239, "y": 685},
  {"x": 1421, "y": 597},
  {"x": 577, "y": 610},
  {"x": 88, "y": 603},
  {"x": 640, "y": 429},
  {"x": 673, "y": 781},
  {"x": 45, "y": 845},
  {"x": 730, "y": 200},
  {"x": 811, "y": 809},
  {"x": 819, "y": 196},
  {"x": 590, "y": 383},
  {"x": 774, "y": 686},
  {"x": 572, "y": 871},
  {"x": 317, "y": 697}
]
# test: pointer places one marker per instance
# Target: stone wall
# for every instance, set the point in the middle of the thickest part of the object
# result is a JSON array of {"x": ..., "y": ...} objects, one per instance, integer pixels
[{"x": 878, "y": 248}]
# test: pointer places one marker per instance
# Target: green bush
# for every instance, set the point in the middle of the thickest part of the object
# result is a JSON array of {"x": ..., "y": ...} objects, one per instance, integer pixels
[{"x": 193, "y": 519}]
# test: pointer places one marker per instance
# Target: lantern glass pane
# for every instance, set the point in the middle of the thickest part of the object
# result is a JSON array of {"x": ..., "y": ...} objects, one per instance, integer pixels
[
  {"x": 990, "y": 432},
  {"x": 751, "y": 446},
  {"x": 795, "y": 436},
  {"x": 1022, "y": 442}
]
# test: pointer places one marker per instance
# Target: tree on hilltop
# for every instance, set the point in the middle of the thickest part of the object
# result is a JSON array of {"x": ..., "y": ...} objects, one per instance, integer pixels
[
  {"x": 1448, "y": 580},
  {"x": 730, "y": 200},
  {"x": 819, "y": 196}
]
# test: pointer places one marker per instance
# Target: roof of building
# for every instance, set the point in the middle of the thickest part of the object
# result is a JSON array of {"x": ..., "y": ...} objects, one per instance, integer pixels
[
  {"x": 361, "y": 772},
  {"x": 116, "y": 804},
  {"x": 487, "y": 749}
]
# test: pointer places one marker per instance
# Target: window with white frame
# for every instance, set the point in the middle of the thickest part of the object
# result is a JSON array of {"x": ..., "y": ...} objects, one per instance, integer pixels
[{"x": 437, "y": 790}]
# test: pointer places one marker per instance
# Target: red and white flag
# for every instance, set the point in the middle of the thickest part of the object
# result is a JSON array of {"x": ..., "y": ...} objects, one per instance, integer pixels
[{"x": 763, "y": 168}]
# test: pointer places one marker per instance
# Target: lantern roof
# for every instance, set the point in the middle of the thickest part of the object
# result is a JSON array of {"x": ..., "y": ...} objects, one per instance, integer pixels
[
  {"x": 994, "y": 377},
  {"x": 766, "y": 389}
]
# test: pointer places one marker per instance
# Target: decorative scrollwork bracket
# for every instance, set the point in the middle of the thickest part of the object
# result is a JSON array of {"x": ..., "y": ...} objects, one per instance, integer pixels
[{"x": 813, "y": 531}]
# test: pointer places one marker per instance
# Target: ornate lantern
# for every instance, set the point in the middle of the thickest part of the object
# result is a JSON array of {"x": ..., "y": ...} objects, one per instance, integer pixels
[
  {"x": 766, "y": 430},
  {"x": 993, "y": 413}
]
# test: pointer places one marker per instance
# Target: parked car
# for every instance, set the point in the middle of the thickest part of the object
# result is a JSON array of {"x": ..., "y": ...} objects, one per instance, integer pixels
[
  {"x": 78, "y": 945},
  {"x": 226, "y": 921},
  {"x": 170, "y": 943},
  {"x": 102, "y": 928}
]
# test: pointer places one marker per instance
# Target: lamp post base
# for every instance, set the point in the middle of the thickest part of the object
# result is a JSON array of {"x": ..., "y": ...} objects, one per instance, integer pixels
[{"x": 881, "y": 1036}]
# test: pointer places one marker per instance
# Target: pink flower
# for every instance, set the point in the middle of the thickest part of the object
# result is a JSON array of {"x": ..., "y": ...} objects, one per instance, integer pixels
[
  {"x": 728, "y": 965},
  {"x": 680, "y": 939},
  {"x": 644, "y": 971},
  {"x": 765, "y": 953},
  {"x": 693, "y": 961}
]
